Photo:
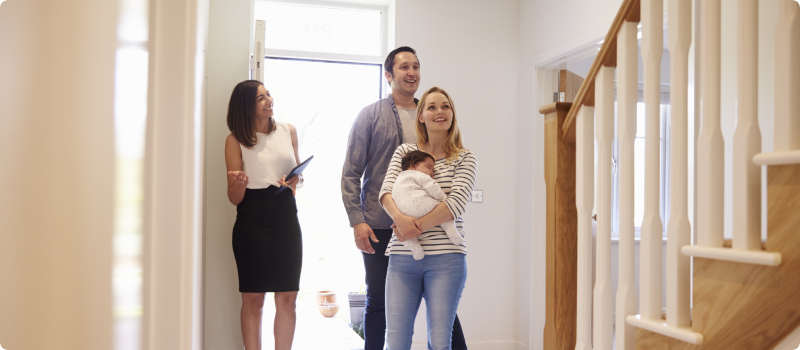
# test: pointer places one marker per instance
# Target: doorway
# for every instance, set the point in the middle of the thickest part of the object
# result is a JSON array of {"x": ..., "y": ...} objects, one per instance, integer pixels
[
  {"x": 322, "y": 66},
  {"x": 321, "y": 99}
]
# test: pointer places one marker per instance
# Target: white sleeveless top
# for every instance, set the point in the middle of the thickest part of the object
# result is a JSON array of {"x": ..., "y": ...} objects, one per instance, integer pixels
[{"x": 270, "y": 159}]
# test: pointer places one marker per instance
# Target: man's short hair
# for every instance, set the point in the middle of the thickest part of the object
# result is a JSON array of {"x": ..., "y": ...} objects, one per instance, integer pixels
[{"x": 388, "y": 65}]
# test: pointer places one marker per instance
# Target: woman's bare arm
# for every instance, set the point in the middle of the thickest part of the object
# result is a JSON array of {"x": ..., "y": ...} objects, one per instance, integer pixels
[
  {"x": 407, "y": 226},
  {"x": 237, "y": 179},
  {"x": 295, "y": 180},
  {"x": 439, "y": 215},
  {"x": 295, "y": 145}
]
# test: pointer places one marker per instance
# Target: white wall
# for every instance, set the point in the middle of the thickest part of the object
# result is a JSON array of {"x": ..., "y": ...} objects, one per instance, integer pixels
[
  {"x": 469, "y": 48},
  {"x": 57, "y": 173},
  {"x": 227, "y": 62}
]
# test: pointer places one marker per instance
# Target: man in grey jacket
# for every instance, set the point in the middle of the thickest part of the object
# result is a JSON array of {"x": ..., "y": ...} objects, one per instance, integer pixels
[{"x": 377, "y": 131}]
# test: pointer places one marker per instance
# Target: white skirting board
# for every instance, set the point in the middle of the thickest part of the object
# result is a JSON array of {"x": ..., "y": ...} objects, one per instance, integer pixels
[{"x": 489, "y": 345}]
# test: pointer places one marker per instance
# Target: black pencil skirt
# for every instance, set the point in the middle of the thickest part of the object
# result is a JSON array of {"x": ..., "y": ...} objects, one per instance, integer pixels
[{"x": 267, "y": 242}]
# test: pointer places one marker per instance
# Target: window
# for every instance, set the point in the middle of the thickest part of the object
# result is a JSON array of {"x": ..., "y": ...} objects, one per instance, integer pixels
[
  {"x": 639, "y": 169},
  {"x": 355, "y": 34},
  {"x": 321, "y": 29}
]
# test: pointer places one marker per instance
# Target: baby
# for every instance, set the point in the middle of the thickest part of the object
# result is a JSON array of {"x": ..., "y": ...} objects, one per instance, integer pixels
[{"x": 416, "y": 193}]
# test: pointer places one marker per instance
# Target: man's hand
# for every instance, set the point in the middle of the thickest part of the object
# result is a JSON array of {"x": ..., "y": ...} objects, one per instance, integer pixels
[
  {"x": 407, "y": 228},
  {"x": 362, "y": 234}
]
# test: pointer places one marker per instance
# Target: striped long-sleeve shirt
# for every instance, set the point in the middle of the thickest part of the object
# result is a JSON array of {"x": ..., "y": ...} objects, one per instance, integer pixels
[{"x": 457, "y": 180}]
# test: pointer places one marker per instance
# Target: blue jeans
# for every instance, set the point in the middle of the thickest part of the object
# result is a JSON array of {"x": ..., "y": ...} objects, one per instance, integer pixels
[{"x": 440, "y": 280}]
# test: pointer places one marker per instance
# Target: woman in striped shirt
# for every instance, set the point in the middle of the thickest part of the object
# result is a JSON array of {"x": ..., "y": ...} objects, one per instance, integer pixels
[{"x": 440, "y": 276}]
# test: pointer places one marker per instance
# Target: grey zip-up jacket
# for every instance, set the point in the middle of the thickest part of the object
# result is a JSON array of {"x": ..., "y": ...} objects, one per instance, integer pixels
[{"x": 376, "y": 133}]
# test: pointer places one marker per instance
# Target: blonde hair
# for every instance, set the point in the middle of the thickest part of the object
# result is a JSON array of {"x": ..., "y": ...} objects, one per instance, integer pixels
[{"x": 452, "y": 145}]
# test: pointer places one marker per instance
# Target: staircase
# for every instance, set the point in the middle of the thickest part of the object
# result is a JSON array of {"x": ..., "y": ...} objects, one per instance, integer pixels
[
  {"x": 740, "y": 294},
  {"x": 743, "y": 305}
]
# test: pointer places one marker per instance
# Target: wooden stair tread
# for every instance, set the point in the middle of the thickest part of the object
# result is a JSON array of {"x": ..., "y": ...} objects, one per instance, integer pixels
[
  {"x": 728, "y": 243},
  {"x": 664, "y": 318}
]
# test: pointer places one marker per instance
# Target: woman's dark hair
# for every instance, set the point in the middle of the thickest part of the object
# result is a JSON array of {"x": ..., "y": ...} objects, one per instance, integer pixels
[
  {"x": 388, "y": 65},
  {"x": 414, "y": 157},
  {"x": 241, "y": 116}
]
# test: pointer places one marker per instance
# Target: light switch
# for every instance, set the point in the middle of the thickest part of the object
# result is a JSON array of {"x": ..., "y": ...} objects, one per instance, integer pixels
[{"x": 477, "y": 196}]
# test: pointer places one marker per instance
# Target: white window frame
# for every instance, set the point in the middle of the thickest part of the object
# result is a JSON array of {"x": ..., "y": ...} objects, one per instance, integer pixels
[
  {"x": 325, "y": 56},
  {"x": 664, "y": 175}
]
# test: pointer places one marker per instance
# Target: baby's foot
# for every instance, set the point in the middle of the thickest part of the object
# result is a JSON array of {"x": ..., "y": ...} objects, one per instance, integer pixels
[{"x": 419, "y": 254}]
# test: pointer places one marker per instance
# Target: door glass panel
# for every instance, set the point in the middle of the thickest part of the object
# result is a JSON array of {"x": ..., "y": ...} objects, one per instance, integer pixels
[{"x": 321, "y": 100}]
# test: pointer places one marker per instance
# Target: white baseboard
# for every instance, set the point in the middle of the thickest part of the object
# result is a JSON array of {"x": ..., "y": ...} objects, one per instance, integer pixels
[{"x": 488, "y": 345}]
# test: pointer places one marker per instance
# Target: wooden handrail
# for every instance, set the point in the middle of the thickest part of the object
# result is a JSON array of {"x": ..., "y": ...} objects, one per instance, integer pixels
[{"x": 629, "y": 11}]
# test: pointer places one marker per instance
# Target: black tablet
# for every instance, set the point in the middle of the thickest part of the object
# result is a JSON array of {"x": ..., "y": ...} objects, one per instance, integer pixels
[{"x": 296, "y": 171}]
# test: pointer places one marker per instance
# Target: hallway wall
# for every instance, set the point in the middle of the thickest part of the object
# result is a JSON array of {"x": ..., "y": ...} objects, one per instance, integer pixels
[
  {"x": 57, "y": 173},
  {"x": 470, "y": 49},
  {"x": 229, "y": 32}
]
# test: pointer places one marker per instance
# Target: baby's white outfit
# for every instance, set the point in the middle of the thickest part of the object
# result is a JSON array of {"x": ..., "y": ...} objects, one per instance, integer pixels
[{"x": 416, "y": 194}]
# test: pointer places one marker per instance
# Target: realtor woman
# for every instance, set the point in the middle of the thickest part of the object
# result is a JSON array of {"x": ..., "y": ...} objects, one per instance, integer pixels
[{"x": 267, "y": 242}]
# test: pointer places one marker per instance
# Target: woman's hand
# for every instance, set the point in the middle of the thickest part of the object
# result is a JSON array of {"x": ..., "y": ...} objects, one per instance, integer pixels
[
  {"x": 291, "y": 183},
  {"x": 240, "y": 177},
  {"x": 406, "y": 227}
]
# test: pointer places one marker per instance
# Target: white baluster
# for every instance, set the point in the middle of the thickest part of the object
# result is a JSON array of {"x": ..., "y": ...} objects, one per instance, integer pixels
[
  {"x": 584, "y": 195},
  {"x": 627, "y": 91},
  {"x": 787, "y": 77},
  {"x": 710, "y": 147},
  {"x": 602, "y": 296},
  {"x": 747, "y": 137},
  {"x": 652, "y": 228},
  {"x": 678, "y": 228}
]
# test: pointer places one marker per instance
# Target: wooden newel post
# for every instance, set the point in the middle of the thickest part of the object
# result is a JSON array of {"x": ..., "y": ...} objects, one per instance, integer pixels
[{"x": 562, "y": 231}]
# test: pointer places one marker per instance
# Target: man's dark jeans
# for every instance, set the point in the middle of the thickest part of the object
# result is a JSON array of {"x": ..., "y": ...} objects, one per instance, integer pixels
[{"x": 375, "y": 310}]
